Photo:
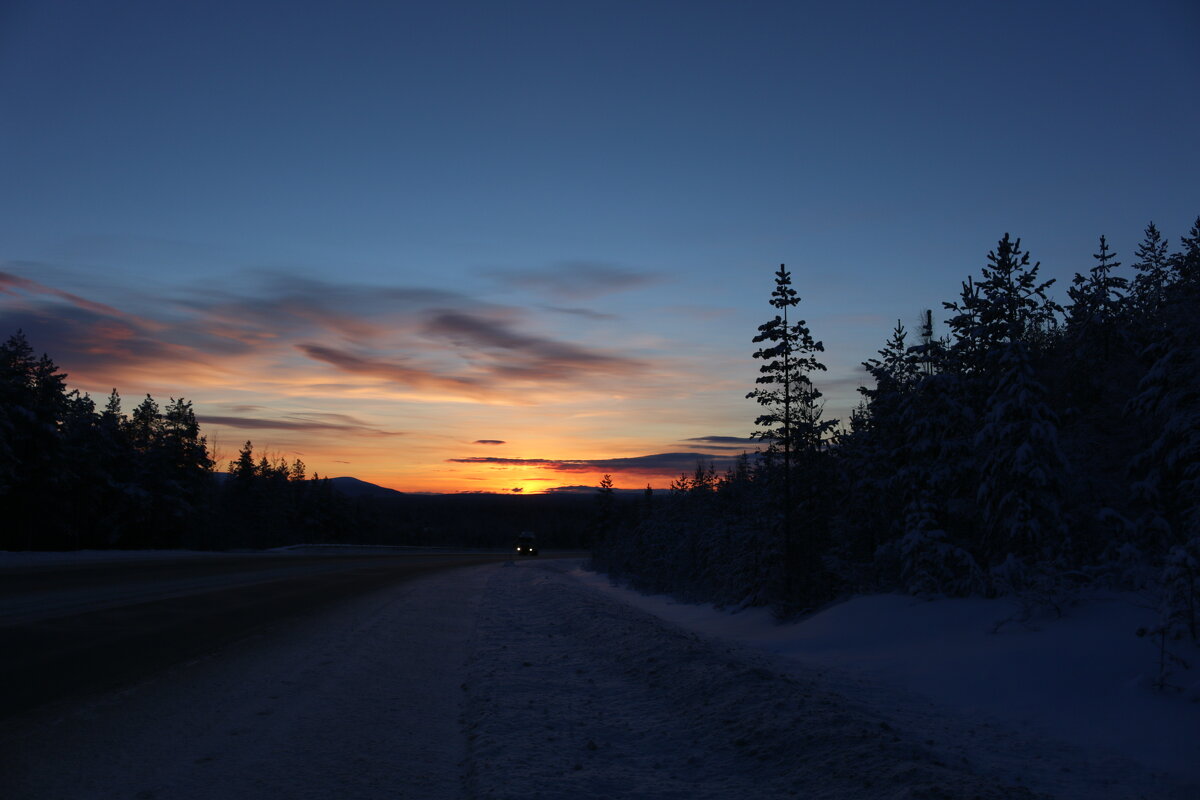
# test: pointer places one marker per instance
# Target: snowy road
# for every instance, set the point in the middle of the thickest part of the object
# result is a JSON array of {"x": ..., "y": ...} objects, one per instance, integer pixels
[
  {"x": 361, "y": 700},
  {"x": 521, "y": 681},
  {"x": 133, "y": 614}
]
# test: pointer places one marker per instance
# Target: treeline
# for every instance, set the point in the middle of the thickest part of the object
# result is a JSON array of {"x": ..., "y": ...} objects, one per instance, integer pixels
[
  {"x": 73, "y": 476},
  {"x": 1034, "y": 448}
]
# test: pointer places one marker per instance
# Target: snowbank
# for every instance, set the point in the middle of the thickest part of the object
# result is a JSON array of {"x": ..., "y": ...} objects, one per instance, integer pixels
[{"x": 1084, "y": 678}]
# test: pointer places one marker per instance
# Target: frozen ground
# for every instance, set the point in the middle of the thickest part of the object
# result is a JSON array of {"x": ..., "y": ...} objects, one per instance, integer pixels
[
  {"x": 575, "y": 691},
  {"x": 1084, "y": 678},
  {"x": 534, "y": 679},
  {"x": 360, "y": 701},
  {"x": 17, "y": 559}
]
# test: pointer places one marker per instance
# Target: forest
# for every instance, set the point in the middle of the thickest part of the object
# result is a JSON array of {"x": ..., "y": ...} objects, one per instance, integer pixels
[
  {"x": 1034, "y": 449},
  {"x": 75, "y": 476}
]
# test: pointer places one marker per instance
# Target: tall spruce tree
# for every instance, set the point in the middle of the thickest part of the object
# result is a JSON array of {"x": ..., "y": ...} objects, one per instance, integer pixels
[
  {"x": 1095, "y": 304},
  {"x": 1187, "y": 261},
  {"x": 1153, "y": 267},
  {"x": 791, "y": 423},
  {"x": 1020, "y": 494},
  {"x": 1008, "y": 304}
]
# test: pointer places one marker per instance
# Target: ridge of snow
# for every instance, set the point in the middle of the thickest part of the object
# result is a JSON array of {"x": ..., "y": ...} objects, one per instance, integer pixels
[{"x": 1085, "y": 678}]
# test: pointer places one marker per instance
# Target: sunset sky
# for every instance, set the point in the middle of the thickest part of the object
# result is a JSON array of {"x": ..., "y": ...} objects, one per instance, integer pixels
[{"x": 496, "y": 245}]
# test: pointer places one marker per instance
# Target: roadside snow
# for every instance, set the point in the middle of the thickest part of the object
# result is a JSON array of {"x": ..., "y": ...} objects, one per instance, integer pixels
[
  {"x": 40, "y": 558},
  {"x": 573, "y": 693},
  {"x": 359, "y": 702},
  {"x": 534, "y": 679},
  {"x": 1084, "y": 678}
]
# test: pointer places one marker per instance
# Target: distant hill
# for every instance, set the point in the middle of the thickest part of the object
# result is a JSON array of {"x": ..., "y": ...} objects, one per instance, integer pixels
[
  {"x": 353, "y": 487},
  {"x": 591, "y": 490},
  {"x": 350, "y": 487}
]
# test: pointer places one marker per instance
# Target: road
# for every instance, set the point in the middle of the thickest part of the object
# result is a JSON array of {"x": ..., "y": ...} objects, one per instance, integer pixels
[
  {"x": 441, "y": 678},
  {"x": 71, "y": 630}
]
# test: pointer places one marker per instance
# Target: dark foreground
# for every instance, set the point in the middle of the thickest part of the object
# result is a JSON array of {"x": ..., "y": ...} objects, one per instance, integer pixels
[{"x": 68, "y": 631}]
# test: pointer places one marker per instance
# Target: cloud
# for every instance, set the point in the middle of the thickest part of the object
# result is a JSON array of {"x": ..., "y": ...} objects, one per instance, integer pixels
[
  {"x": 503, "y": 352},
  {"x": 656, "y": 464},
  {"x": 581, "y": 312},
  {"x": 93, "y": 338},
  {"x": 726, "y": 442},
  {"x": 307, "y": 422},
  {"x": 277, "y": 304},
  {"x": 574, "y": 280},
  {"x": 414, "y": 377},
  {"x": 438, "y": 343},
  {"x": 489, "y": 441},
  {"x": 10, "y": 284}
]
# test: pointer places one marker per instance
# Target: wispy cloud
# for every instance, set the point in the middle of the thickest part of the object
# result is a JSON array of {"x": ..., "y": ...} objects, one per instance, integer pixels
[
  {"x": 313, "y": 422},
  {"x": 574, "y": 280},
  {"x": 656, "y": 464},
  {"x": 587, "y": 313},
  {"x": 291, "y": 329},
  {"x": 732, "y": 443},
  {"x": 503, "y": 352},
  {"x": 11, "y": 285},
  {"x": 413, "y": 377},
  {"x": 489, "y": 441}
]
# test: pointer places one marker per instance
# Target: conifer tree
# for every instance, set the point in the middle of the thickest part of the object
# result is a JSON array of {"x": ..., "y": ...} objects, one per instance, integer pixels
[
  {"x": 1020, "y": 494},
  {"x": 605, "y": 515},
  {"x": 791, "y": 423},
  {"x": 242, "y": 468},
  {"x": 1008, "y": 304},
  {"x": 1153, "y": 267},
  {"x": 33, "y": 403},
  {"x": 1187, "y": 261},
  {"x": 145, "y": 425},
  {"x": 1096, "y": 301}
]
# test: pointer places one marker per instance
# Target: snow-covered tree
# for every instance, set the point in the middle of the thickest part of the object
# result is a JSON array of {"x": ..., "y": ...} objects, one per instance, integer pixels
[
  {"x": 1008, "y": 304},
  {"x": 1186, "y": 262},
  {"x": 1092, "y": 318},
  {"x": 1154, "y": 273},
  {"x": 1167, "y": 472},
  {"x": 1020, "y": 493},
  {"x": 929, "y": 563}
]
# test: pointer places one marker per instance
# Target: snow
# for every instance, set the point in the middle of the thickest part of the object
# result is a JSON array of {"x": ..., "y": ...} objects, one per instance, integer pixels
[
  {"x": 39, "y": 558},
  {"x": 535, "y": 678},
  {"x": 361, "y": 701},
  {"x": 18, "y": 559},
  {"x": 1084, "y": 678}
]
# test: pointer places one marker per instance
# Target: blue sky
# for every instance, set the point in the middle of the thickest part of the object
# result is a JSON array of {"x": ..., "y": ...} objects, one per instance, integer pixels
[{"x": 550, "y": 224}]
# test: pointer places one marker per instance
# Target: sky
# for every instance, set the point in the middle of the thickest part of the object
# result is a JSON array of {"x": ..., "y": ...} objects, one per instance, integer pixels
[{"x": 497, "y": 246}]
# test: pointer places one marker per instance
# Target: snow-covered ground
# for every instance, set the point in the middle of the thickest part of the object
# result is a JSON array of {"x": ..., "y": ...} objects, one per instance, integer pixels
[
  {"x": 1084, "y": 677},
  {"x": 575, "y": 690},
  {"x": 537, "y": 679},
  {"x": 360, "y": 701},
  {"x": 18, "y": 559}
]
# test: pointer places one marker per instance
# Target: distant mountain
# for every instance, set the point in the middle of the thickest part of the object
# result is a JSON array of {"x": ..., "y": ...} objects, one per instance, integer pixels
[
  {"x": 353, "y": 487},
  {"x": 591, "y": 490},
  {"x": 350, "y": 487}
]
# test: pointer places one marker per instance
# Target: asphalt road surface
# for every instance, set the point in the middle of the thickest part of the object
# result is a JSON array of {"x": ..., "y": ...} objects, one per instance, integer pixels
[{"x": 68, "y": 631}]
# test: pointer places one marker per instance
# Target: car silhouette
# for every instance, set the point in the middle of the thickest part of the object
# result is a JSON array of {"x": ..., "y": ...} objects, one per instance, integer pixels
[{"x": 526, "y": 544}]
